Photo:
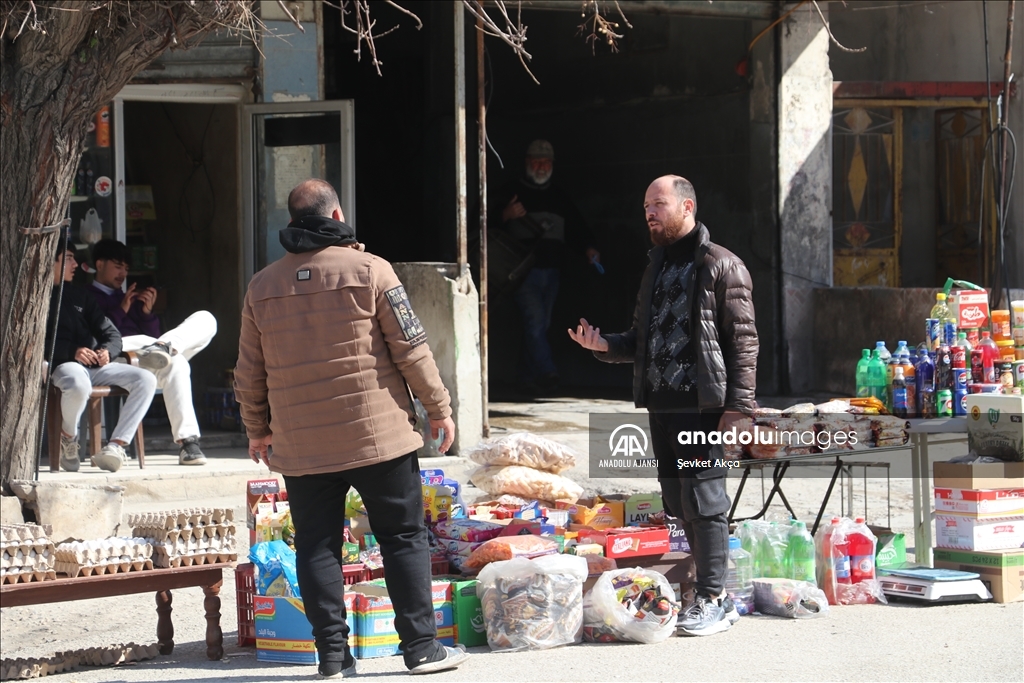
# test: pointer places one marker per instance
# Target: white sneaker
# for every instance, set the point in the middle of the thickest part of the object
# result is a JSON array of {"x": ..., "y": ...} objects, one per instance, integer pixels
[
  {"x": 110, "y": 457},
  {"x": 69, "y": 461},
  {"x": 453, "y": 657}
]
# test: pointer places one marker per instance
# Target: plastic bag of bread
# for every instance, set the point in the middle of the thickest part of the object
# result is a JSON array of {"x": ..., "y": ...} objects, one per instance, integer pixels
[
  {"x": 526, "y": 450},
  {"x": 524, "y": 481},
  {"x": 533, "y": 604},
  {"x": 510, "y": 547}
]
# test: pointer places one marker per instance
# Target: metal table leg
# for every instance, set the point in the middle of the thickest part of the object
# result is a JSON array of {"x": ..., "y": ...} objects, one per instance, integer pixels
[
  {"x": 777, "y": 477},
  {"x": 923, "y": 532},
  {"x": 739, "y": 492},
  {"x": 828, "y": 494}
]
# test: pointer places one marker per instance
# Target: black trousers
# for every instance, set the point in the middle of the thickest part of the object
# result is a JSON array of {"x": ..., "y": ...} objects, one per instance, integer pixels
[
  {"x": 394, "y": 503},
  {"x": 697, "y": 498}
]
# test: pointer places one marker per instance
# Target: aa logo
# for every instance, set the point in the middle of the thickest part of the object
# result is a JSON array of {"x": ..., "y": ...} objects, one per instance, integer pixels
[{"x": 625, "y": 441}]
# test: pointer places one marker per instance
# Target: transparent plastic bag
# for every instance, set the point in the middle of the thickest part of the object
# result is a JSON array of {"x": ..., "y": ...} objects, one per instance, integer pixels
[
  {"x": 510, "y": 547},
  {"x": 533, "y": 604},
  {"x": 524, "y": 481},
  {"x": 788, "y": 598},
  {"x": 429, "y": 449},
  {"x": 526, "y": 450},
  {"x": 861, "y": 593},
  {"x": 634, "y": 605}
]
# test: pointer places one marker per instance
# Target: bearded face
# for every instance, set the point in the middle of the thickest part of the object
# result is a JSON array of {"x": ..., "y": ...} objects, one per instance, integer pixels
[
  {"x": 539, "y": 170},
  {"x": 666, "y": 225}
]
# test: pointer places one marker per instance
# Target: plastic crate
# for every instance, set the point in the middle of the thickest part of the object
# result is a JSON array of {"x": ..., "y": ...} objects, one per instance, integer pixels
[
  {"x": 354, "y": 573},
  {"x": 438, "y": 567},
  {"x": 245, "y": 589}
]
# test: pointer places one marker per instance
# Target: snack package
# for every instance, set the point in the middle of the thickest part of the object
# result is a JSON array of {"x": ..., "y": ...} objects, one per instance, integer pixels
[
  {"x": 371, "y": 557},
  {"x": 275, "y": 569},
  {"x": 523, "y": 481},
  {"x": 788, "y": 598},
  {"x": 634, "y": 605},
  {"x": 509, "y": 547},
  {"x": 472, "y": 530},
  {"x": 354, "y": 504},
  {"x": 526, "y": 450},
  {"x": 533, "y": 604}
]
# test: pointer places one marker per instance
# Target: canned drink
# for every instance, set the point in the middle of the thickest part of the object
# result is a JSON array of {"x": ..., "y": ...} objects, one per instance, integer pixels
[
  {"x": 960, "y": 379},
  {"x": 958, "y": 356},
  {"x": 928, "y": 404},
  {"x": 931, "y": 332},
  {"x": 960, "y": 402},
  {"x": 944, "y": 403},
  {"x": 949, "y": 333}
]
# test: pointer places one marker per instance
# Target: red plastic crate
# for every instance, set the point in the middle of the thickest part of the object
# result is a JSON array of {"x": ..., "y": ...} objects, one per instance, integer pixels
[
  {"x": 245, "y": 589},
  {"x": 438, "y": 567},
  {"x": 354, "y": 573}
]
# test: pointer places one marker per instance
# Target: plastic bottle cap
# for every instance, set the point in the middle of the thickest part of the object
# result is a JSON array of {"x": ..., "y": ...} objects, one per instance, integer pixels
[
  {"x": 734, "y": 543},
  {"x": 859, "y": 520},
  {"x": 798, "y": 524},
  {"x": 940, "y": 296}
]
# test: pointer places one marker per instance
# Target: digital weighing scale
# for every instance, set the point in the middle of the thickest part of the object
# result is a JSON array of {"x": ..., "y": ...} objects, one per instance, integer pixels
[{"x": 932, "y": 585}]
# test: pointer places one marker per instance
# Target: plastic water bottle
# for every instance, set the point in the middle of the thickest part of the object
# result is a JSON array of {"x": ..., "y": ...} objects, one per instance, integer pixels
[
  {"x": 862, "y": 552},
  {"x": 883, "y": 353},
  {"x": 800, "y": 554},
  {"x": 739, "y": 582},
  {"x": 863, "y": 389}
]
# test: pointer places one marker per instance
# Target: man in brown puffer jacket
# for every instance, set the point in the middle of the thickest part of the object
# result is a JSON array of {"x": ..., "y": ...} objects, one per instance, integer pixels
[
  {"x": 693, "y": 345},
  {"x": 328, "y": 352}
]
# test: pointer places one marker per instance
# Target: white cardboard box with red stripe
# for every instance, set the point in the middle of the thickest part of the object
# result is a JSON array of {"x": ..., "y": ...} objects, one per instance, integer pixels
[
  {"x": 980, "y": 502},
  {"x": 963, "y": 532}
]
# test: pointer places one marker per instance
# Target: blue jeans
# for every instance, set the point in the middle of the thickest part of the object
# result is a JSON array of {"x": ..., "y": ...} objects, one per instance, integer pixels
[{"x": 536, "y": 299}]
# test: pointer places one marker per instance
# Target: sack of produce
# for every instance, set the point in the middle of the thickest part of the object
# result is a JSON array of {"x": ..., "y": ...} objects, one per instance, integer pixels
[
  {"x": 524, "y": 481},
  {"x": 526, "y": 450}
]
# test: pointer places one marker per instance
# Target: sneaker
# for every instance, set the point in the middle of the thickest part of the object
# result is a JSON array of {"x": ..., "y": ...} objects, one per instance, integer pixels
[
  {"x": 110, "y": 457},
  {"x": 703, "y": 618},
  {"x": 190, "y": 453},
  {"x": 331, "y": 670},
  {"x": 453, "y": 657},
  {"x": 730, "y": 610},
  {"x": 156, "y": 356},
  {"x": 69, "y": 461}
]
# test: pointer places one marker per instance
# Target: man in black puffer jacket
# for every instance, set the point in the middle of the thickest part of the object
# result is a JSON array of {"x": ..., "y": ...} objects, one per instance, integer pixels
[{"x": 691, "y": 378}]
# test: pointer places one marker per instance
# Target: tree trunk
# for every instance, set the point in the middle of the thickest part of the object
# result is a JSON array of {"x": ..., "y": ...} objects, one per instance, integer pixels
[{"x": 67, "y": 62}]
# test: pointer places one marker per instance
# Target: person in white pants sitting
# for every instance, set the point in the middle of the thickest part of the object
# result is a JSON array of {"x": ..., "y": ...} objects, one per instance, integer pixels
[
  {"x": 86, "y": 343},
  {"x": 166, "y": 355}
]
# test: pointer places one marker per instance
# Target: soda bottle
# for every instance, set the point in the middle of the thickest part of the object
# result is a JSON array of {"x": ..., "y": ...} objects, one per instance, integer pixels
[
  {"x": 800, "y": 554},
  {"x": 748, "y": 541},
  {"x": 890, "y": 374},
  {"x": 910, "y": 377},
  {"x": 940, "y": 312},
  {"x": 739, "y": 582},
  {"x": 841, "y": 554},
  {"x": 924, "y": 374},
  {"x": 983, "y": 358},
  {"x": 863, "y": 389},
  {"x": 963, "y": 341},
  {"x": 876, "y": 375},
  {"x": 862, "y": 552},
  {"x": 771, "y": 561},
  {"x": 899, "y": 394},
  {"x": 943, "y": 369}
]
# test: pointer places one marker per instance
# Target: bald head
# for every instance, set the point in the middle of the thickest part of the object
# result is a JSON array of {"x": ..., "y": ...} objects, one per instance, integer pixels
[
  {"x": 671, "y": 207},
  {"x": 314, "y": 197}
]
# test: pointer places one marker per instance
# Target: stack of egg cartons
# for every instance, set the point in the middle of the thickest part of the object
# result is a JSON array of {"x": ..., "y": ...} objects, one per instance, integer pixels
[
  {"x": 26, "y": 553},
  {"x": 182, "y": 538},
  {"x": 103, "y": 556}
]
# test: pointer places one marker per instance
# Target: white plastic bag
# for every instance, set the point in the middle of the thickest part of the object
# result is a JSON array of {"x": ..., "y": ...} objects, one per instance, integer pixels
[
  {"x": 526, "y": 450},
  {"x": 533, "y": 604},
  {"x": 526, "y": 482},
  {"x": 788, "y": 598},
  {"x": 635, "y": 605}
]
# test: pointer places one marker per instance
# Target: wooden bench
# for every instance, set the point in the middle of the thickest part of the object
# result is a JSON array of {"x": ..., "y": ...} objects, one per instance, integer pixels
[{"x": 209, "y": 577}]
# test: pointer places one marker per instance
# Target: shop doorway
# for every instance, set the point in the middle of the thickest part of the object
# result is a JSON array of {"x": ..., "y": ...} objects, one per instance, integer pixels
[{"x": 181, "y": 221}]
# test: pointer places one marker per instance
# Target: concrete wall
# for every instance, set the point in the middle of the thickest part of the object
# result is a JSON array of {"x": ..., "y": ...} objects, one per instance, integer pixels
[
  {"x": 935, "y": 41},
  {"x": 805, "y": 183}
]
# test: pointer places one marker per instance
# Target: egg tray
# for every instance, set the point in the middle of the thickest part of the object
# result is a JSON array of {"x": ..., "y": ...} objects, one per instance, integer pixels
[
  {"x": 24, "y": 532},
  {"x": 74, "y": 570},
  {"x": 168, "y": 561},
  {"x": 107, "y": 556},
  {"x": 25, "y": 575},
  {"x": 183, "y": 518},
  {"x": 36, "y": 667},
  {"x": 162, "y": 535},
  {"x": 35, "y": 554}
]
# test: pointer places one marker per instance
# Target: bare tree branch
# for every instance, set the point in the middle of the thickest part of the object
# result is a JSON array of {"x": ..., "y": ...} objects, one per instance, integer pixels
[
  {"x": 295, "y": 21},
  {"x": 834, "y": 41},
  {"x": 601, "y": 28},
  {"x": 419, "y": 24}
]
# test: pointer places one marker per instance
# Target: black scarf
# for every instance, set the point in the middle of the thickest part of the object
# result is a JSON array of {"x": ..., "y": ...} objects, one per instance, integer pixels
[{"x": 310, "y": 233}]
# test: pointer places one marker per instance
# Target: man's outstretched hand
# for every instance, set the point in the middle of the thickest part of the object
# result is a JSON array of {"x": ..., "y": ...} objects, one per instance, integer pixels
[
  {"x": 448, "y": 425},
  {"x": 589, "y": 337}
]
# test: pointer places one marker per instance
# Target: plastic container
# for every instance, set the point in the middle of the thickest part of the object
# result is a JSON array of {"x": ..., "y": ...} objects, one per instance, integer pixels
[
  {"x": 876, "y": 374},
  {"x": 739, "y": 582},
  {"x": 1017, "y": 313},
  {"x": 1005, "y": 351},
  {"x": 862, "y": 552},
  {"x": 863, "y": 389},
  {"x": 984, "y": 357},
  {"x": 1017, "y": 332},
  {"x": 245, "y": 589},
  {"x": 1000, "y": 325},
  {"x": 800, "y": 565}
]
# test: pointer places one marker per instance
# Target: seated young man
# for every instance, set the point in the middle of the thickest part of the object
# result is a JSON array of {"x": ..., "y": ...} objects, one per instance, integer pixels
[
  {"x": 85, "y": 346},
  {"x": 166, "y": 355}
]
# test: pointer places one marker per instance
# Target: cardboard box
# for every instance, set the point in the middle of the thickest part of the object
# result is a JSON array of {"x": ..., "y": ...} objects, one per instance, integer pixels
[
  {"x": 258, "y": 491},
  {"x": 891, "y": 550},
  {"x": 677, "y": 568},
  {"x": 520, "y": 527},
  {"x": 640, "y": 506},
  {"x": 969, "y": 307},
  {"x": 1002, "y": 571},
  {"x": 677, "y": 542},
  {"x": 959, "y": 532},
  {"x": 981, "y": 502},
  {"x": 992, "y": 475},
  {"x": 468, "y": 615},
  {"x": 995, "y": 425},
  {"x": 283, "y": 633},
  {"x": 375, "y": 619},
  {"x": 602, "y": 512}
]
